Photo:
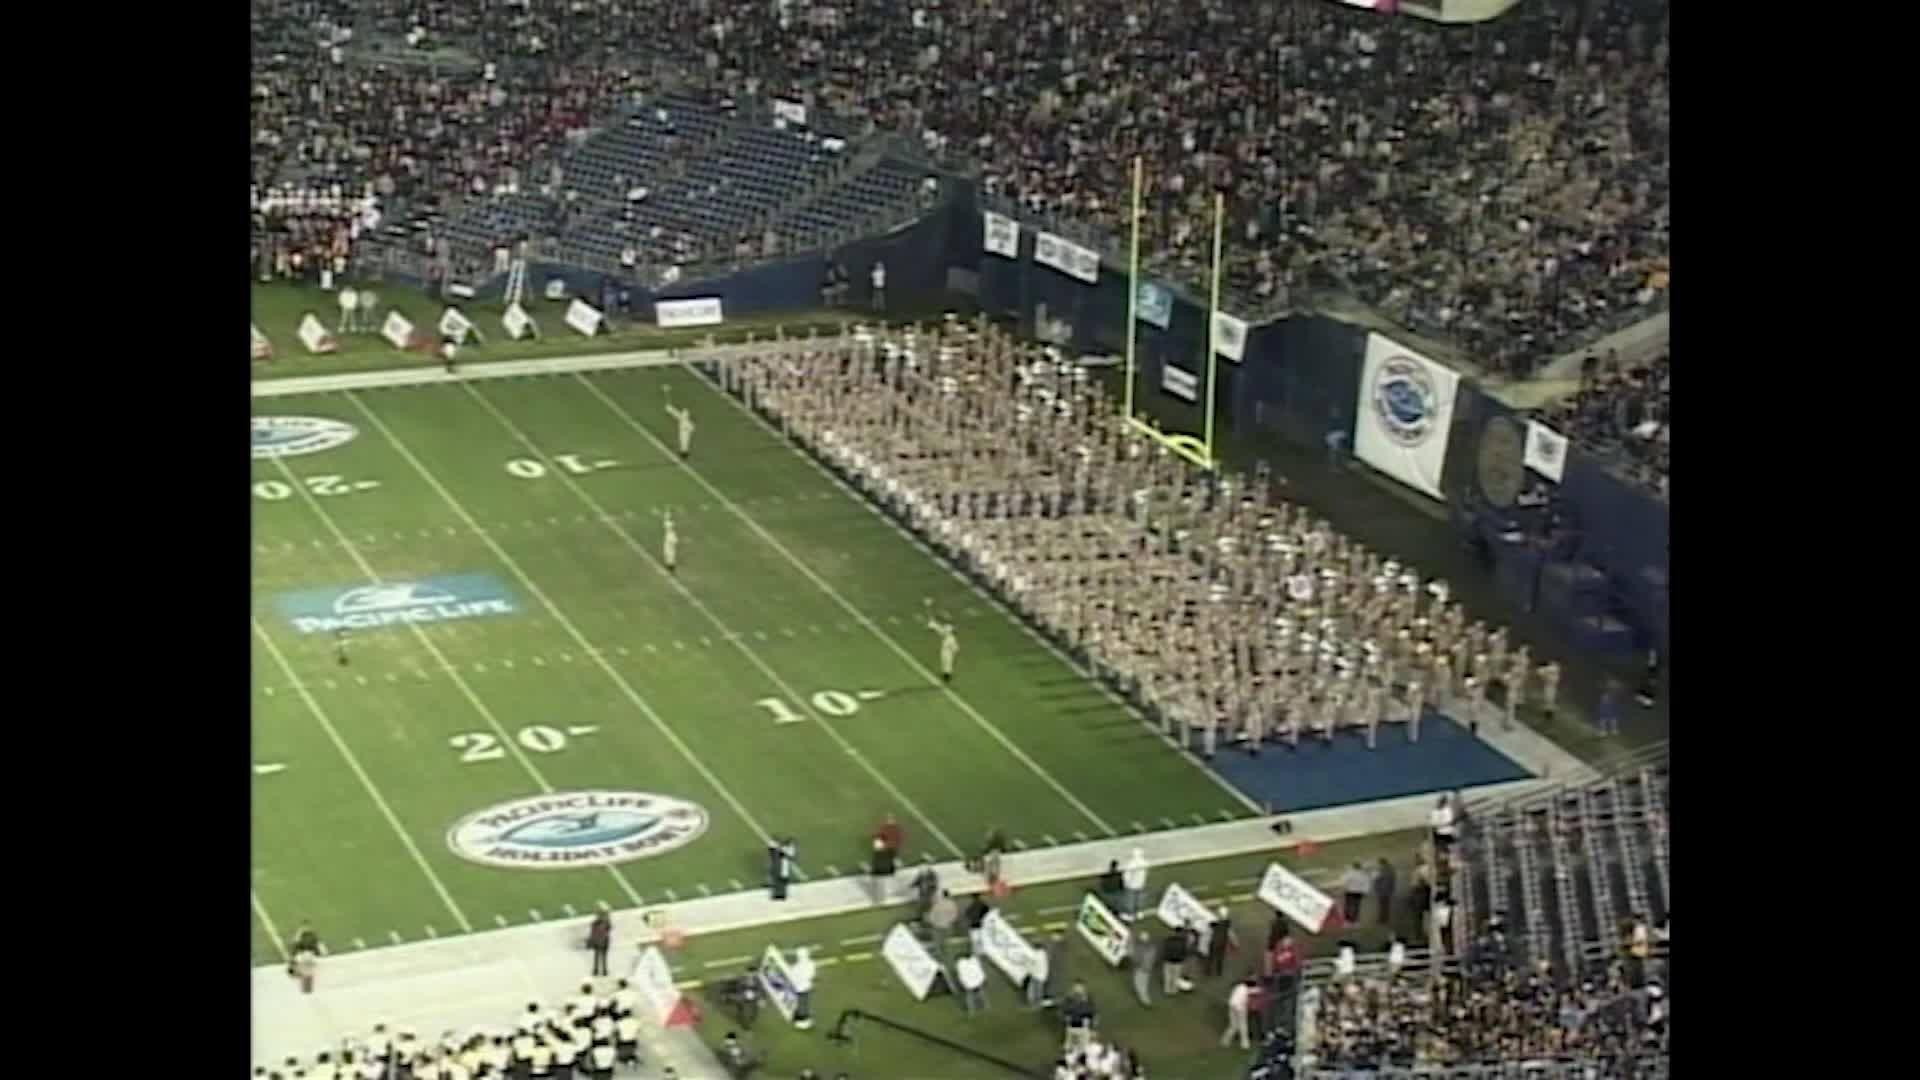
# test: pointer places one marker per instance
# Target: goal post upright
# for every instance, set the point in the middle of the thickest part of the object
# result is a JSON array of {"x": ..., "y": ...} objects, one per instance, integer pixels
[
  {"x": 1213, "y": 323},
  {"x": 1133, "y": 281}
]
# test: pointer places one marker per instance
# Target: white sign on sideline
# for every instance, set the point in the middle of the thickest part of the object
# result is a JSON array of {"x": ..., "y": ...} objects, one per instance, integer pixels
[
  {"x": 584, "y": 317},
  {"x": 1010, "y": 952},
  {"x": 1179, "y": 382},
  {"x": 701, "y": 311},
  {"x": 1291, "y": 895},
  {"x": 397, "y": 330},
  {"x": 315, "y": 336},
  {"x": 654, "y": 981},
  {"x": 518, "y": 323},
  {"x": 1102, "y": 929},
  {"x": 262, "y": 348},
  {"x": 777, "y": 983},
  {"x": 1179, "y": 908},
  {"x": 911, "y": 961},
  {"x": 457, "y": 326}
]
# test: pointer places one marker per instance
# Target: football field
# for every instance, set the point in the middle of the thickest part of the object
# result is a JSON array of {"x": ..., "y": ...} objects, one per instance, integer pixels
[{"x": 481, "y": 699}]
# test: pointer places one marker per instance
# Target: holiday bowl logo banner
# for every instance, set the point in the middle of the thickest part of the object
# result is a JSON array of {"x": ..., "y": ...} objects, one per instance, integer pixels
[
  {"x": 567, "y": 830},
  {"x": 442, "y": 598},
  {"x": 1404, "y": 414}
]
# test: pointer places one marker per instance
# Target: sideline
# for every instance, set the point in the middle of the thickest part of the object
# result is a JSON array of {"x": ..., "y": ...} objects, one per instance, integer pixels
[{"x": 431, "y": 375}]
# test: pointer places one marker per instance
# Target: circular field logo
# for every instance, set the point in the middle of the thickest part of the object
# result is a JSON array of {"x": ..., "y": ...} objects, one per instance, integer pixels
[
  {"x": 571, "y": 829},
  {"x": 287, "y": 436}
]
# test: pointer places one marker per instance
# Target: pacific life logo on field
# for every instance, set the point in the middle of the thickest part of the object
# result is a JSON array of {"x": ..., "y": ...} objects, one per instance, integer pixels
[
  {"x": 444, "y": 598},
  {"x": 577, "y": 828},
  {"x": 1404, "y": 400},
  {"x": 288, "y": 436}
]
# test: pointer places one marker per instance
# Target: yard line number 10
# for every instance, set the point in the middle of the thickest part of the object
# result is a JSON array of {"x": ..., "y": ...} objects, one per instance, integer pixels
[{"x": 836, "y": 703}]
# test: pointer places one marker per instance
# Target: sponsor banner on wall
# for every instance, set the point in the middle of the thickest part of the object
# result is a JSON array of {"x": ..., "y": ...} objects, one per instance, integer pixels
[
  {"x": 700, "y": 311},
  {"x": 1291, "y": 895},
  {"x": 1066, "y": 256},
  {"x": 1546, "y": 451},
  {"x": 1102, "y": 929},
  {"x": 1404, "y": 414},
  {"x": 1229, "y": 336},
  {"x": 911, "y": 961},
  {"x": 1154, "y": 304},
  {"x": 1002, "y": 234},
  {"x": 1180, "y": 382},
  {"x": 792, "y": 112}
]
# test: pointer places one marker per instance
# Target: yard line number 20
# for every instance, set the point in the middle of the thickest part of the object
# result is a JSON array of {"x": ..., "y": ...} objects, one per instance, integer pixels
[{"x": 485, "y": 746}]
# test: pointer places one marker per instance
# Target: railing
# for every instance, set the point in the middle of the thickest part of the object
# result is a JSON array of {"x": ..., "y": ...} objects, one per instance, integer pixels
[{"x": 1653, "y": 753}]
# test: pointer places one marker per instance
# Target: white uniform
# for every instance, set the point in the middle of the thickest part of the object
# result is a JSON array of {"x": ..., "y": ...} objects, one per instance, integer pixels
[
  {"x": 684, "y": 418},
  {"x": 949, "y": 646},
  {"x": 670, "y": 544}
]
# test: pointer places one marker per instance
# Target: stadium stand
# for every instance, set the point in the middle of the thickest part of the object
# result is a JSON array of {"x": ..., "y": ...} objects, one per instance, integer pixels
[
  {"x": 1578, "y": 983},
  {"x": 1503, "y": 187},
  {"x": 1623, "y": 415}
]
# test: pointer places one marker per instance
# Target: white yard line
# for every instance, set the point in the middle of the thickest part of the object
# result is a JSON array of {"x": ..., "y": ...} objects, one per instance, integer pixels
[
  {"x": 366, "y": 781},
  {"x": 729, "y": 634},
  {"x": 452, "y": 671},
  {"x": 266, "y": 920},
  {"x": 859, "y": 616},
  {"x": 573, "y": 631}
]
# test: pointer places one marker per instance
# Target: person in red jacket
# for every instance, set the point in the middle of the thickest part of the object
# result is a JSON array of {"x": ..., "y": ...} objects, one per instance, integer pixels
[{"x": 891, "y": 835}]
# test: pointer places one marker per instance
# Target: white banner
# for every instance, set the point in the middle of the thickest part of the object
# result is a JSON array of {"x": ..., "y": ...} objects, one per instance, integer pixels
[
  {"x": 911, "y": 961},
  {"x": 1292, "y": 896},
  {"x": 556, "y": 288},
  {"x": 315, "y": 335},
  {"x": 1066, "y": 256},
  {"x": 1179, "y": 382},
  {"x": 654, "y": 982},
  {"x": 397, "y": 330},
  {"x": 456, "y": 326},
  {"x": 1546, "y": 451},
  {"x": 777, "y": 983},
  {"x": 1010, "y": 952},
  {"x": 1179, "y": 908},
  {"x": 791, "y": 111},
  {"x": 1002, "y": 235},
  {"x": 1404, "y": 414},
  {"x": 1102, "y": 929},
  {"x": 703, "y": 311},
  {"x": 517, "y": 322},
  {"x": 584, "y": 317},
  {"x": 1229, "y": 336},
  {"x": 262, "y": 348}
]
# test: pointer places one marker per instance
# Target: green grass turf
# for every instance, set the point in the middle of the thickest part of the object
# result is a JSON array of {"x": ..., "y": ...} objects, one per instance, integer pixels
[
  {"x": 278, "y": 308},
  {"x": 1179, "y": 1037},
  {"x": 352, "y": 834}
]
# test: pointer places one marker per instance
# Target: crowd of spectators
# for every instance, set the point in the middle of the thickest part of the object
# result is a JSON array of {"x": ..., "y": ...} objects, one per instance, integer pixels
[
  {"x": 1496, "y": 1009},
  {"x": 1503, "y": 187},
  {"x": 1625, "y": 414}
]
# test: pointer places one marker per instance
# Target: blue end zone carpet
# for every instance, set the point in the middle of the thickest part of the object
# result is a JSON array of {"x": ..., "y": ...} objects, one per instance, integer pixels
[{"x": 1319, "y": 774}]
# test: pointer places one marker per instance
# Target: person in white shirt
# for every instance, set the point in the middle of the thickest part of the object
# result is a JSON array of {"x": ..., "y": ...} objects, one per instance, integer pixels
[
  {"x": 1396, "y": 957},
  {"x": 1441, "y": 821},
  {"x": 879, "y": 279},
  {"x": 683, "y": 427},
  {"x": 1237, "y": 1014},
  {"x": 1134, "y": 878},
  {"x": 802, "y": 974},
  {"x": 669, "y": 543},
  {"x": 1345, "y": 962},
  {"x": 625, "y": 999},
  {"x": 973, "y": 983}
]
